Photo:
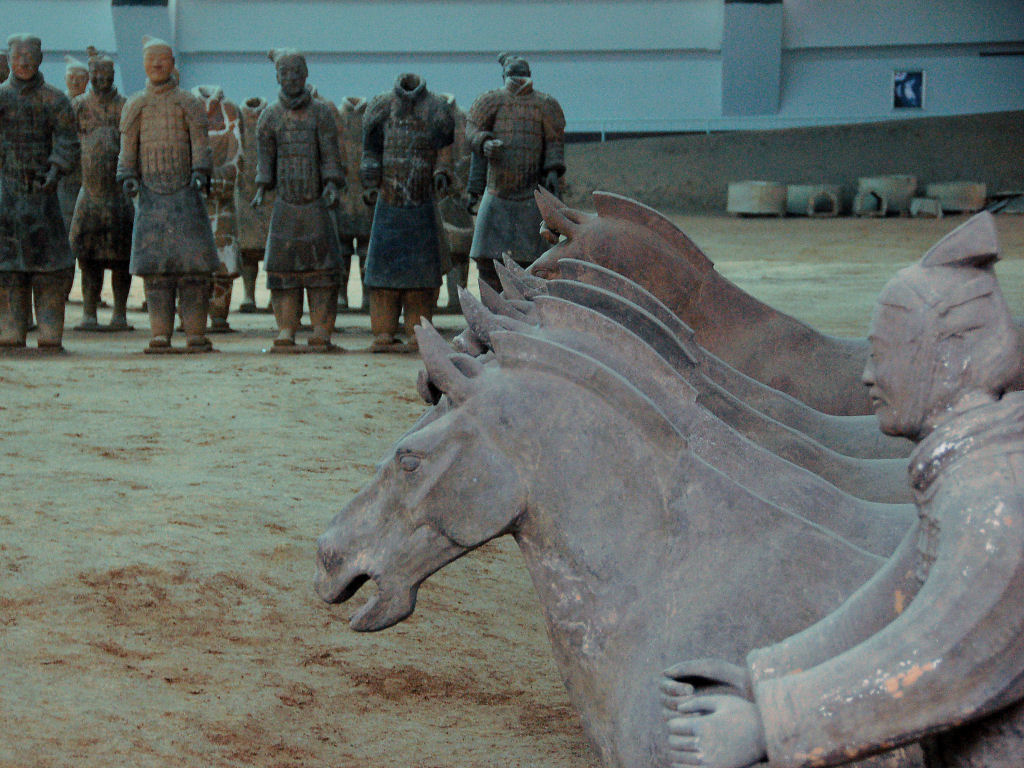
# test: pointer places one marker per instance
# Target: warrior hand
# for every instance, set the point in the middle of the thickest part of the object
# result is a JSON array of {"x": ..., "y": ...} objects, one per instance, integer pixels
[
  {"x": 330, "y": 194},
  {"x": 715, "y": 732},
  {"x": 551, "y": 182},
  {"x": 257, "y": 199},
  {"x": 370, "y": 196},
  {"x": 48, "y": 183},
  {"x": 199, "y": 180},
  {"x": 493, "y": 149},
  {"x": 441, "y": 184},
  {"x": 130, "y": 187},
  {"x": 702, "y": 674},
  {"x": 472, "y": 202}
]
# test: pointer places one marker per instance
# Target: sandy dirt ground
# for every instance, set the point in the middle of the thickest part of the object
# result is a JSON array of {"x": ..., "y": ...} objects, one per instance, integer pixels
[{"x": 157, "y": 525}]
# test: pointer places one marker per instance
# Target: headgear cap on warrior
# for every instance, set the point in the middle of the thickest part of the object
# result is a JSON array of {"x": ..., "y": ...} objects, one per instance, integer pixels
[{"x": 513, "y": 66}]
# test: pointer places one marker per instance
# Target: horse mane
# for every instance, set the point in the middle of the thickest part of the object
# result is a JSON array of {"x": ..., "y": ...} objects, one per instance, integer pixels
[
  {"x": 600, "y": 276},
  {"x": 622, "y": 310},
  {"x": 517, "y": 351},
  {"x": 611, "y": 206}
]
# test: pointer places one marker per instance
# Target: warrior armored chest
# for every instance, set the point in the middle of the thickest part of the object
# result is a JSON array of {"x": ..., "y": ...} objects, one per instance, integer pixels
[
  {"x": 519, "y": 125},
  {"x": 298, "y": 156},
  {"x": 98, "y": 121},
  {"x": 408, "y": 160},
  {"x": 165, "y": 149},
  {"x": 26, "y": 128}
]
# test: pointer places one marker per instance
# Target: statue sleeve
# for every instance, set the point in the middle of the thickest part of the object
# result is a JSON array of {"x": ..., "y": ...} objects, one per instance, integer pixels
[
  {"x": 331, "y": 168},
  {"x": 480, "y": 120},
  {"x": 954, "y": 654},
  {"x": 477, "y": 182},
  {"x": 65, "y": 150},
  {"x": 554, "y": 137},
  {"x": 266, "y": 151},
  {"x": 199, "y": 135},
  {"x": 370, "y": 167},
  {"x": 128, "y": 157}
]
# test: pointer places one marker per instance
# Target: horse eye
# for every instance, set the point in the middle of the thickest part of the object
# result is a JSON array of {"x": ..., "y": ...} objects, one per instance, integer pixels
[{"x": 409, "y": 463}]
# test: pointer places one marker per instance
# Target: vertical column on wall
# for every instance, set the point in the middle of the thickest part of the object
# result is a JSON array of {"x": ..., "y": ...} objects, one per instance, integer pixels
[
  {"x": 133, "y": 19},
  {"x": 751, "y": 57}
]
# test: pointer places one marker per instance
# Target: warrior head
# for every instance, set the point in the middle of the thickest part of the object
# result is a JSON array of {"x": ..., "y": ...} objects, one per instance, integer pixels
[
  {"x": 101, "y": 70},
  {"x": 157, "y": 60},
  {"x": 291, "y": 70},
  {"x": 513, "y": 66},
  {"x": 5, "y": 67},
  {"x": 76, "y": 76},
  {"x": 942, "y": 337},
  {"x": 26, "y": 54}
]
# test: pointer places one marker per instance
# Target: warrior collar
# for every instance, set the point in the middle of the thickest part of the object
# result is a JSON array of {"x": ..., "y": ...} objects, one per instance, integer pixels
[
  {"x": 26, "y": 86},
  {"x": 410, "y": 94},
  {"x": 297, "y": 102},
  {"x": 166, "y": 86},
  {"x": 993, "y": 425},
  {"x": 105, "y": 96},
  {"x": 519, "y": 86}
]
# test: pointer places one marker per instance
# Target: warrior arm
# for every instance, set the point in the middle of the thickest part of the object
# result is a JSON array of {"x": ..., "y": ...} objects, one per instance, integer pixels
[
  {"x": 867, "y": 611},
  {"x": 955, "y": 654},
  {"x": 128, "y": 157},
  {"x": 331, "y": 167},
  {"x": 480, "y": 120},
  {"x": 554, "y": 137},
  {"x": 65, "y": 153},
  {"x": 371, "y": 165},
  {"x": 199, "y": 134},
  {"x": 266, "y": 152}
]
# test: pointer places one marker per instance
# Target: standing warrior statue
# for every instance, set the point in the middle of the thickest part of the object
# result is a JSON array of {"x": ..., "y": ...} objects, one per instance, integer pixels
[
  {"x": 403, "y": 130},
  {"x": 165, "y": 161},
  {"x": 76, "y": 79},
  {"x": 298, "y": 155},
  {"x": 226, "y": 149},
  {"x": 253, "y": 223},
  {"x": 932, "y": 647},
  {"x": 355, "y": 217},
  {"x": 520, "y": 133},
  {"x": 101, "y": 227},
  {"x": 38, "y": 145}
]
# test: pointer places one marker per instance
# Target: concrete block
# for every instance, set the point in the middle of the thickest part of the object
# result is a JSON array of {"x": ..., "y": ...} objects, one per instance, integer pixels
[
  {"x": 925, "y": 207},
  {"x": 897, "y": 190},
  {"x": 816, "y": 200},
  {"x": 870, "y": 204},
  {"x": 756, "y": 198},
  {"x": 958, "y": 196}
]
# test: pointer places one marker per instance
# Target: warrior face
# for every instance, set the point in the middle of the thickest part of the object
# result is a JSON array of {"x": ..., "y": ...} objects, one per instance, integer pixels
[
  {"x": 101, "y": 76},
  {"x": 76, "y": 81},
  {"x": 25, "y": 59},
  {"x": 291, "y": 75},
  {"x": 158, "y": 63}
]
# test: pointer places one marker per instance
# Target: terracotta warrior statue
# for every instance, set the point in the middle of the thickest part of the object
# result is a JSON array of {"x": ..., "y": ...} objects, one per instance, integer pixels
[
  {"x": 225, "y": 134},
  {"x": 38, "y": 145},
  {"x": 76, "y": 80},
  {"x": 252, "y": 223},
  {"x": 932, "y": 647},
  {"x": 403, "y": 131},
  {"x": 165, "y": 162},
  {"x": 101, "y": 227},
  {"x": 355, "y": 217},
  {"x": 298, "y": 155},
  {"x": 520, "y": 133}
]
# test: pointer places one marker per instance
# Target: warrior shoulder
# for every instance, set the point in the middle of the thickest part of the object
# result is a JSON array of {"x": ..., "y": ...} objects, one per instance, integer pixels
[
  {"x": 377, "y": 110},
  {"x": 133, "y": 109},
  {"x": 487, "y": 103}
]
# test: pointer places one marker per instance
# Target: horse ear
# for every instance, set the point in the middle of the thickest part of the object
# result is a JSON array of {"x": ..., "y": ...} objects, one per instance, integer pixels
[
  {"x": 442, "y": 372},
  {"x": 558, "y": 217},
  {"x": 530, "y": 283},
  {"x": 482, "y": 322},
  {"x": 974, "y": 243},
  {"x": 498, "y": 304},
  {"x": 510, "y": 287},
  {"x": 612, "y": 206}
]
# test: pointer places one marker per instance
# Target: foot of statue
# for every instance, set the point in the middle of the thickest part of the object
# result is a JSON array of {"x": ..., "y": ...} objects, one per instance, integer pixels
[
  {"x": 10, "y": 342},
  {"x": 248, "y": 308},
  {"x": 120, "y": 323},
  {"x": 160, "y": 342},
  {"x": 50, "y": 345},
  {"x": 88, "y": 324},
  {"x": 385, "y": 342},
  {"x": 220, "y": 325},
  {"x": 198, "y": 343},
  {"x": 321, "y": 344}
]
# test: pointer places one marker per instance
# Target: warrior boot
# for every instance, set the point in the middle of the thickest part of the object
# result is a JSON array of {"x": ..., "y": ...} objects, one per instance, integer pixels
[
  {"x": 287, "y": 304},
  {"x": 194, "y": 298},
  {"x": 160, "y": 306},
  {"x": 249, "y": 267},
  {"x": 361, "y": 250},
  {"x": 92, "y": 284},
  {"x": 385, "y": 307},
  {"x": 419, "y": 305},
  {"x": 121, "y": 283},
  {"x": 15, "y": 308},
  {"x": 323, "y": 311},
  {"x": 220, "y": 304},
  {"x": 50, "y": 290}
]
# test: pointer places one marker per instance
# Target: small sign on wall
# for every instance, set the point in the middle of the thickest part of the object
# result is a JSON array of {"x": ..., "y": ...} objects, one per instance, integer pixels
[{"x": 908, "y": 89}]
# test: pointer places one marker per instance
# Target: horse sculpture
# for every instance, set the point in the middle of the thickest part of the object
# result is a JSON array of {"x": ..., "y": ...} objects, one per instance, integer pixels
[
  {"x": 641, "y": 552},
  {"x": 881, "y": 480},
  {"x": 630, "y": 238}
]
